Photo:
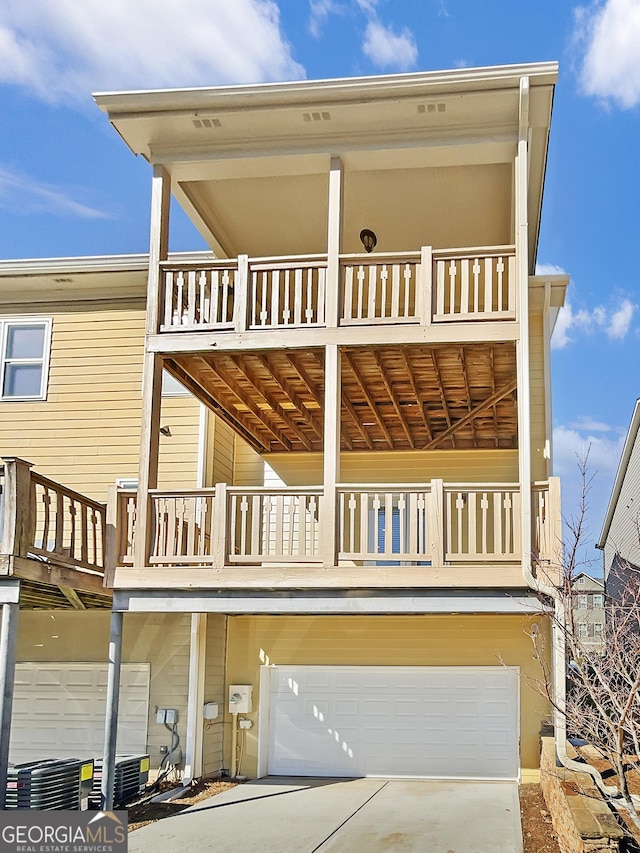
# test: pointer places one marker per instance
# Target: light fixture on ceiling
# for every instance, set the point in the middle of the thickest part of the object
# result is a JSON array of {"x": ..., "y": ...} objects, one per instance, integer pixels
[{"x": 368, "y": 239}]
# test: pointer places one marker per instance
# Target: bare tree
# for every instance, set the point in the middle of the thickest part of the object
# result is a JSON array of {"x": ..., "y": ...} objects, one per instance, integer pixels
[{"x": 602, "y": 703}]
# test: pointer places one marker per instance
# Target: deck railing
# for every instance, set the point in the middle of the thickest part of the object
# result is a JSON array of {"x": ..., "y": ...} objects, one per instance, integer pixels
[
  {"x": 430, "y": 524},
  {"x": 45, "y": 520},
  {"x": 381, "y": 289},
  {"x": 291, "y": 292}
]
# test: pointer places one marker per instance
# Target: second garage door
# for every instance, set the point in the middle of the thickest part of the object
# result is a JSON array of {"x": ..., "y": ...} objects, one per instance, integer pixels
[{"x": 440, "y": 722}]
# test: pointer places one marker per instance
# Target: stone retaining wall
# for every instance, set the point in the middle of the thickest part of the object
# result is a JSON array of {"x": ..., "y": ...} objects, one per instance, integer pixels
[{"x": 582, "y": 820}]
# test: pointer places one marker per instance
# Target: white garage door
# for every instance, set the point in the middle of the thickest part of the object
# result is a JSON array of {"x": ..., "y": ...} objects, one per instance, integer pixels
[
  {"x": 445, "y": 722},
  {"x": 59, "y": 710}
]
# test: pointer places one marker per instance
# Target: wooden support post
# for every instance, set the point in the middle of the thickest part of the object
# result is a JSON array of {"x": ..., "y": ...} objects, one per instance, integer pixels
[
  {"x": 332, "y": 410},
  {"x": 219, "y": 526},
  {"x": 334, "y": 242},
  {"x": 241, "y": 296},
  {"x": 197, "y": 656},
  {"x": 424, "y": 295},
  {"x": 18, "y": 522},
  {"x": 152, "y": 366},
  {"x": 435, "y": 523},
  {"x": 522, "y": 344},
  {"x": 8, "y": 638},
  {"x": 111, "y": 711}
]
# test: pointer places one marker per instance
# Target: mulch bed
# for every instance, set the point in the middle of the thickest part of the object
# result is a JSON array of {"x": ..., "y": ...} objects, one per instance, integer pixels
[
  {"x": 537, "y": 829},
  {"x": 145, "y": 813}
]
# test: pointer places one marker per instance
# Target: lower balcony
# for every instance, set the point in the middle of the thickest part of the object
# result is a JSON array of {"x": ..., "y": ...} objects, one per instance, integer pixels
[{"x": 429, "y": 534}]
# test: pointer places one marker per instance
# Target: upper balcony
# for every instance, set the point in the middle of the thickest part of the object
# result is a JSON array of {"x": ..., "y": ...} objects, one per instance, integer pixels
[{"x": 407, "y": 291}]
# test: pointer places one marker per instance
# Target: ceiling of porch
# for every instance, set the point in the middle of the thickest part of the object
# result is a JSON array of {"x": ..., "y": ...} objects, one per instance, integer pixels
[{"x": 393, "y": 398}]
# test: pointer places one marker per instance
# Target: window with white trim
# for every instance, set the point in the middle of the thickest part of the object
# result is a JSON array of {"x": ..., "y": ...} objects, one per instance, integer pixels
[
  {"x": 582, "y": 602},
  {"x": 583, "y": 629},
  {"x": 598, "y": 601},
  {"x": 25, "y": 345},
  {"x": 598, "y": 629}
]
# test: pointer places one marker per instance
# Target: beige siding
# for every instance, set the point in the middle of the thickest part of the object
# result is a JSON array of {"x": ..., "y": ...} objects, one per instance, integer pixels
[
  {"x": 385, "y": 641},
  {"x": 214, "y": 691},
  {"x": 157, "y": 638},
  {"x": 248, "y": 468},
  {"x": 454, "y": 466},
  {"x": 539, "y": 435},
  {"x": 222, "y": 455},
  {"x": 87, "y": 432}
]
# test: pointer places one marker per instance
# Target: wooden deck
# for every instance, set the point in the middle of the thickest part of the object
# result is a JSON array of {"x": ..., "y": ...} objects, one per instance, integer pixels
[
  {"x": 53, "y": 540},
  {"x": 431, "y": 534}
]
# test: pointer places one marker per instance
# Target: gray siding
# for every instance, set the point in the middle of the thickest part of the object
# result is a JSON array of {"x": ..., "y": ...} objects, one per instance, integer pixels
[{"x": 623, "y": 533}]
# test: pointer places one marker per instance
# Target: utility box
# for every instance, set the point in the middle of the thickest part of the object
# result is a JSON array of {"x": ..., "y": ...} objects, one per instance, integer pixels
[
  {"x": 240, "y": 698},
  {"x": 210, "y": 711}
]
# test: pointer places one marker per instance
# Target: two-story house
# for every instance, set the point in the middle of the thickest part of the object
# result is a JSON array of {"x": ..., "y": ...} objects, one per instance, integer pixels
[
  {"x": 374, "y": 332},
  {"x": 588, "y": 611}
]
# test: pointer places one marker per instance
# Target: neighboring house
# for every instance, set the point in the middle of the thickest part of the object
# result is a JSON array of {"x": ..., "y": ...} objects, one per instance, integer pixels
[
  {"x": 374, "y": 508},
  {"x": 71, "y": 345},
  {"x": 620, "y": 536},
  {"x": 588, "y": 610}
]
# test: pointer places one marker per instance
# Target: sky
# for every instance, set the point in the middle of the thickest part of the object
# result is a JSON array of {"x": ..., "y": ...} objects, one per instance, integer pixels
[{"x": 69, "y": 186}]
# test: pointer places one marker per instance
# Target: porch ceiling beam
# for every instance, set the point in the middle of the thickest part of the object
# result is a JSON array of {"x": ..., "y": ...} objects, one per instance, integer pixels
[
  {"x": 276, "y": 407},
  {"x": 315, "y": 394},
  {"x": 445, "y": 407},
  {"x": 465, "y": 376},
  {"x": 348, "y": 405},
  {"x": 218, "y": 406},
  {"x": 493, "y": 387},
  {"x": 414, "y": 387},
  {"x": 292, "y": 396},
  {"x": 500, "y": 394},
  {"x": 257, "y": 412},
  {"x": 358, "y": 377},
  {"x": 72, "y": 597},
  {"x": 394, "y": 400}
]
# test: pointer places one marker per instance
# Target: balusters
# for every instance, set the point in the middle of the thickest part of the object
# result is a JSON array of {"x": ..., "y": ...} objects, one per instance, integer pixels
[{"x": 480, "y": 287}]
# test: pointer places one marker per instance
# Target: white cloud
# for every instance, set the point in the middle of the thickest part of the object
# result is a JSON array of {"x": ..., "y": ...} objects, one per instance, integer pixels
[
  {"x": 586, "y": 422},
  {"x": 609, "y": 33},
  {"x": 61, "y": 50},
  {"x": 570, "y": 445},
  {"x": 388, "y": 49},
  {"x": 22, "y": 194},
  {"x": 614, "y": 321},
  {"x": 549, "y": 269},
  {"x": 320, "y": 11}
]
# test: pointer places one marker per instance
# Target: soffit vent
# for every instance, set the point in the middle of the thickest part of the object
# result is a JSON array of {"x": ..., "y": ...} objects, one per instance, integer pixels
[
  {"x": 322, "y": 116},
  {"x": 431, "y": 108},
  {"x": 207, "y": 122}
]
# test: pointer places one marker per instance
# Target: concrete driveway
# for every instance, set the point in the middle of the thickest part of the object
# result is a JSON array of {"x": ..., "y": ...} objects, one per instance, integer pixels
[{"x": 280, "y": 815}]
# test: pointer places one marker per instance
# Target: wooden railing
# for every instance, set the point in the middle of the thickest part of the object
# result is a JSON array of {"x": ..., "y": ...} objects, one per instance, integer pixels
[
  {"x": 290, "y": 292},
  {"x": 475, "y": 284},
  {"x": 287, "y": 292},
  {"x": 430, "y": 524},
  {"x": 385, "y": 523},
  {"x": 381, "y": 289},
  {"x": 199, "y": 298},
  {"x": 546, "y": 538},
  {"x": 482, "y": 523},
  {"x": 45, "y": 520},
  {"x": 274, "y": 525}
]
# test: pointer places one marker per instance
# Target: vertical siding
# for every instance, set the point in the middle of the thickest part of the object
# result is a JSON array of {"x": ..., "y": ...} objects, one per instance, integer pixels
[
  {"x": 214, "y": 691},
  {"x": 87, "y": 432},
  {"x": 624, "y": 534},
  {"x": 386, "y": 641},
  {"x": 158, "y": 638}
]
